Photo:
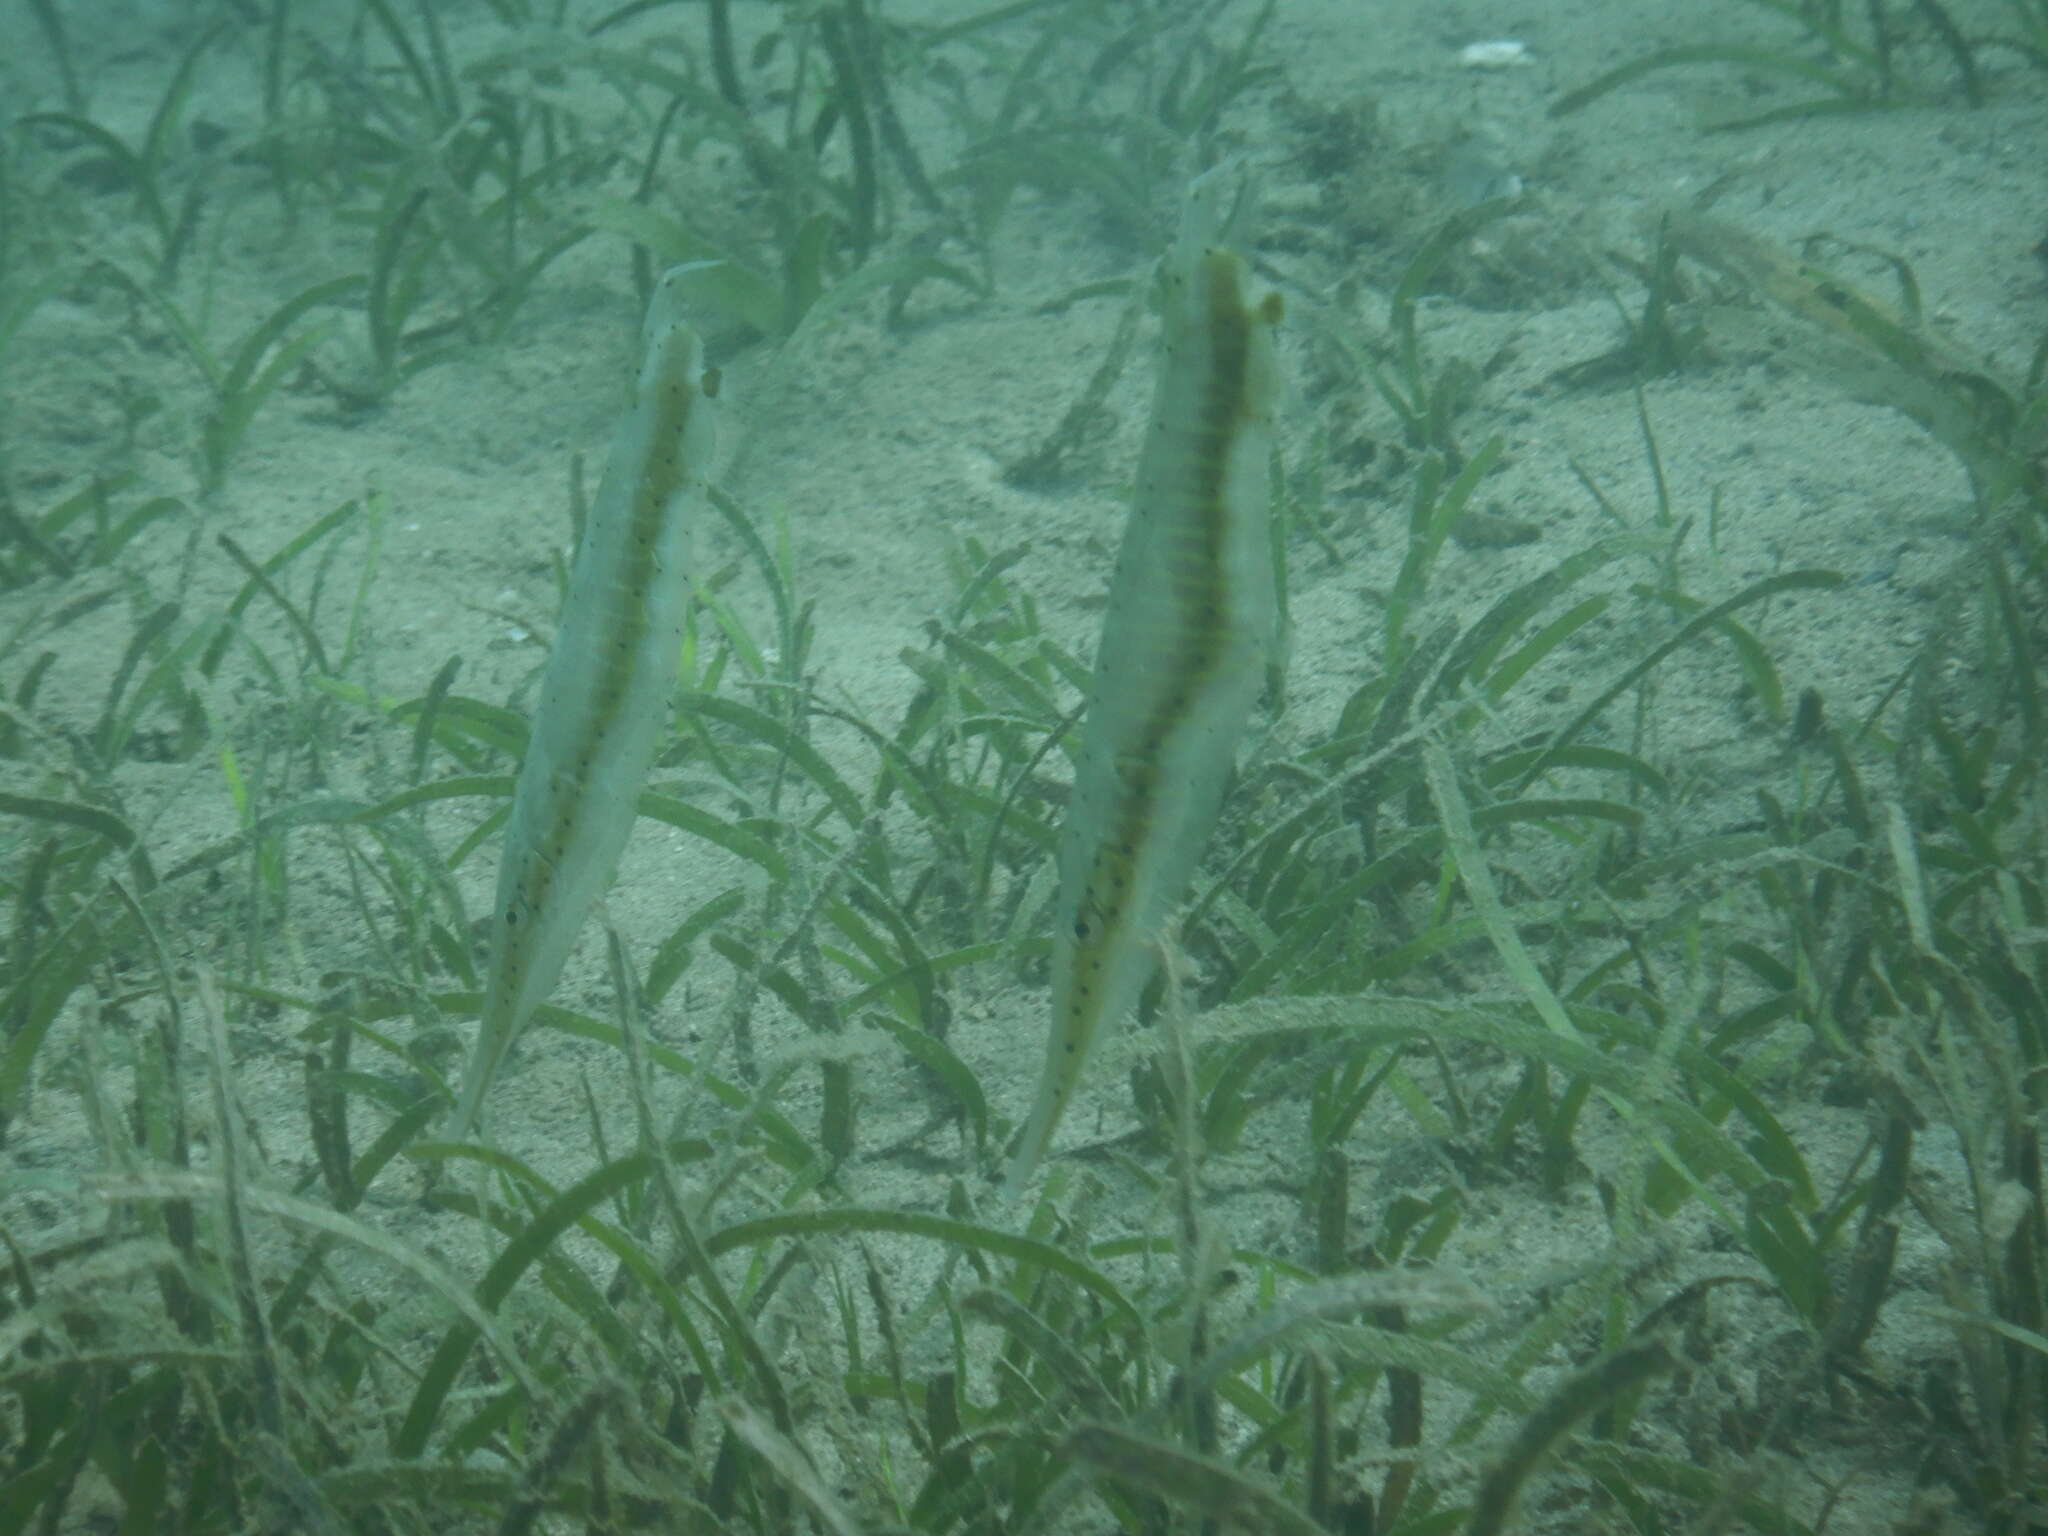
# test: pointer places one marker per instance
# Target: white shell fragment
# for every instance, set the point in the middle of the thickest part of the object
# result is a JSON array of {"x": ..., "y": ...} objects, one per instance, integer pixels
[{"x": 1496, "y": 53}]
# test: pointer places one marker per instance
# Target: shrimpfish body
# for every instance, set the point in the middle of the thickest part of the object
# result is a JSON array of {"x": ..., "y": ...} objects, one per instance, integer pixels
[
  {"x": 606, "y": 690},
  {"x": 1190, "y": 627}
]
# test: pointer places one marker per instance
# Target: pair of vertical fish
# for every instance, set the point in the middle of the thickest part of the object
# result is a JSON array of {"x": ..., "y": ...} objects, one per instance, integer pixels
[
  {"x": 1190, "y": 628},
  {"x": 1191, "y": 624}
]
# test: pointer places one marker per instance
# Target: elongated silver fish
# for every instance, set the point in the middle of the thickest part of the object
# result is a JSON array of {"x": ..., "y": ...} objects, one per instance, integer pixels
[
  {"x": 605, "y": 694},
  {"x": 1190, "y": 626}
]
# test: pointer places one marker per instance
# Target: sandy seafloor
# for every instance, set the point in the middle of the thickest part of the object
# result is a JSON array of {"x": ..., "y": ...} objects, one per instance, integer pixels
[{"x": 884, "y": 453}]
